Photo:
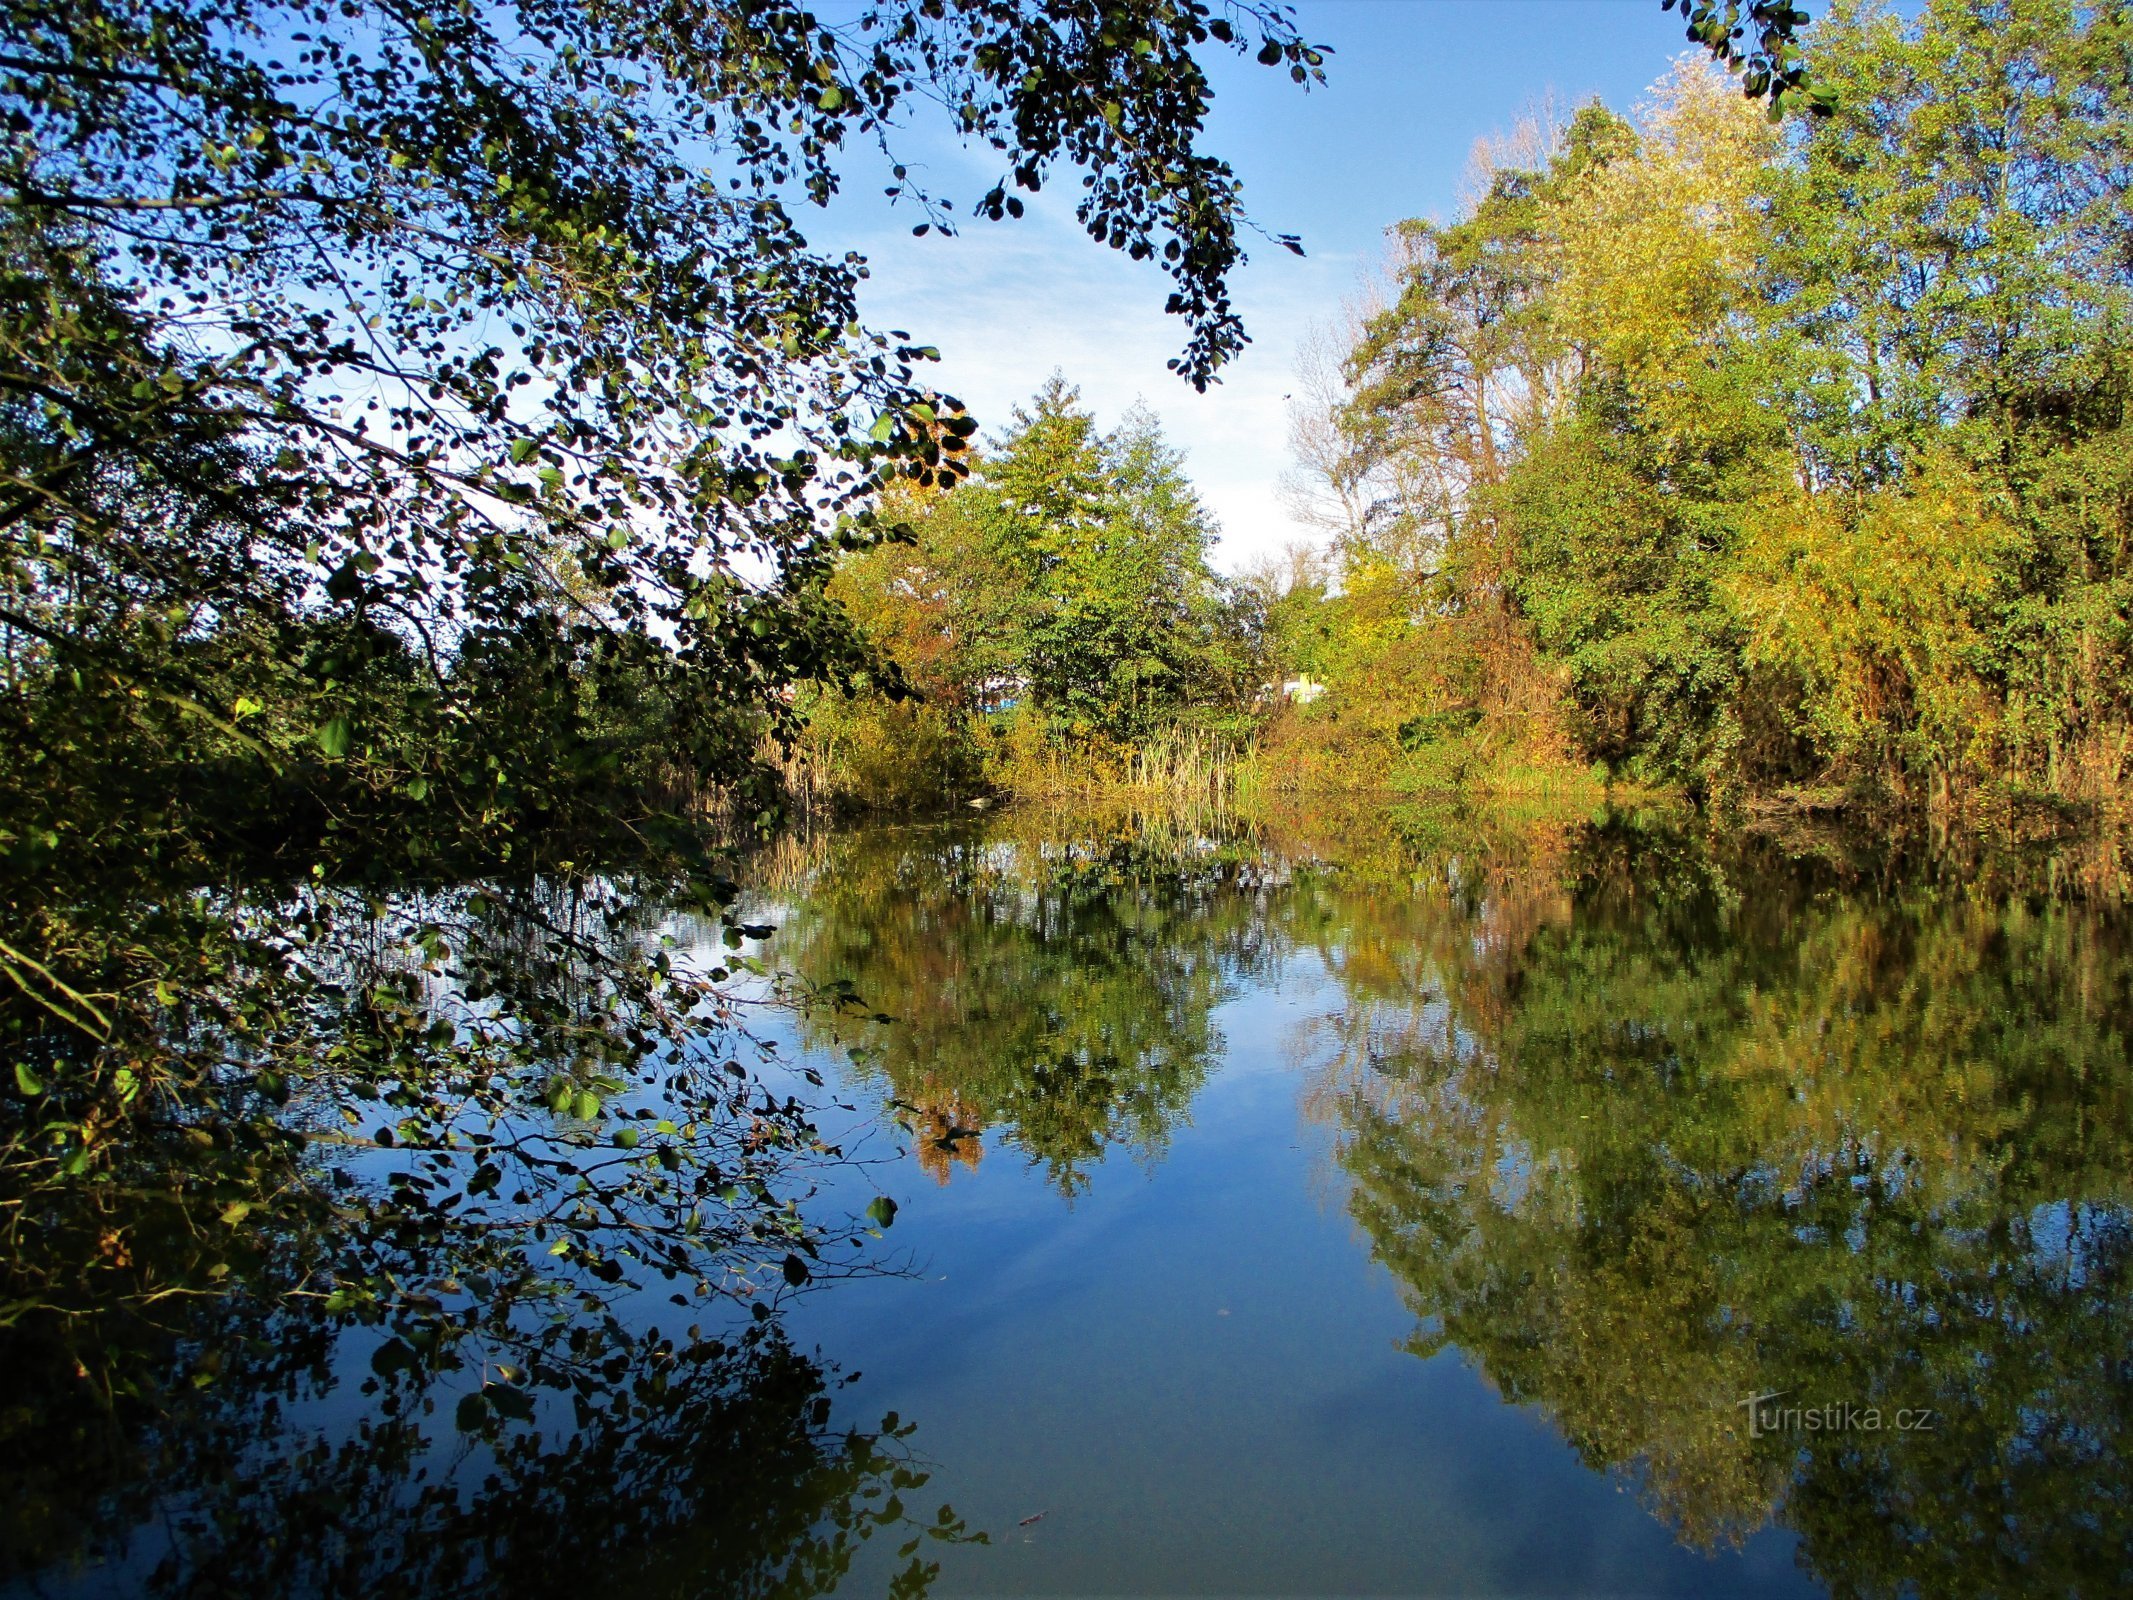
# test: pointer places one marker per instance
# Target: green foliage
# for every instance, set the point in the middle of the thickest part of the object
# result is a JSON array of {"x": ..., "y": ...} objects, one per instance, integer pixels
[
  {"x": 1617, "y": 570},
  {"x": 1123, "y": 612},
  {"x": 1790, "y": 463},
  {"x": 1059, "y": 603},
  {"x": 1759, "y": 39},
  {"x": 1878, "y": 620}
]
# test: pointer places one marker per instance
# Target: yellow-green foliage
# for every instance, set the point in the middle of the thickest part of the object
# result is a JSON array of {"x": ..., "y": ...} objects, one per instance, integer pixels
[
  {"x": 1881, "y": 612},
  {"x": 1652, "y": 253},
  {"x": 1743, "y": 461},
  {"x": 867, "y": 752},
  {"x": 1056, "y": 615}
]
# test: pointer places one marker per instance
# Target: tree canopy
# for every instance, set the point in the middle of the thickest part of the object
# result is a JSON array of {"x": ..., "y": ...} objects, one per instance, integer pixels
[
  {"x": 1746, "y": 458},
  {"x": 1058, "y": 603}
]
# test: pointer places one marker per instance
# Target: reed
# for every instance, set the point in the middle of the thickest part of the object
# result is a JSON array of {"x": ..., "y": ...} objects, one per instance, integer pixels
[{"x": 1190, "y": 769}]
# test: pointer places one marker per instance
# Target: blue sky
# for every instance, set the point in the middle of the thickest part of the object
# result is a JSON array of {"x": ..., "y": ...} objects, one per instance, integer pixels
[{"x": 1412, "y": 84}]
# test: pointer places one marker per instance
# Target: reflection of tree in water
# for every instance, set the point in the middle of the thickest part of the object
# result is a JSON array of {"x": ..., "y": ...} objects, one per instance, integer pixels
[
  {"x": 381, "y": 1321},
  {"x": 702, "y": 1466},
  {"x": 1058, "y": 990},
  {"x": 941, "y": 1132},
  {"x": 1717, "y": 1127}
]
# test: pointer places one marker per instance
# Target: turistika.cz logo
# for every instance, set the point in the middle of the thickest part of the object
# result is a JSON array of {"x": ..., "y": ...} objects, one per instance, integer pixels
[{"x": 1765, "y": 1415}]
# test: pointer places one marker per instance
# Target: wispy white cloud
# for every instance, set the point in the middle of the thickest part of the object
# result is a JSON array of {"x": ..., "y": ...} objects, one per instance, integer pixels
[
  {"x": 1007, "y": 303},
  {"x": 1412, "y": 87}
]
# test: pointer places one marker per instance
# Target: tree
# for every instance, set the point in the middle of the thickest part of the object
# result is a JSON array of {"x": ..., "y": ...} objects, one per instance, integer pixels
[
  {"x": 1068, "y": 577},
  {"x": 1949, "y": 248},
  {"x": 1123, "y": 599},
  {"x": 427, "y": 432},
  {"x": 1790, "y": 457},
  {"x": 1948, "y": 294}
]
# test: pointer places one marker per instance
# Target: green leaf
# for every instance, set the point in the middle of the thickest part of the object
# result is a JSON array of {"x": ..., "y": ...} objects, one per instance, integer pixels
[
  {"x": 333, "y": 736},
  {"x": 626, "y": 1138},
  {"x": 27, "y": 1081},
  {"x": 472, "y": 1412},
  {"x": 882, "y": 1212}
]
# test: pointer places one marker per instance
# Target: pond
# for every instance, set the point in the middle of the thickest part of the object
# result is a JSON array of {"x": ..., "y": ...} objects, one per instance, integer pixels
[
  {"x": 1430, "y": 1222},
  {"x": 1608, "y": 1204}
]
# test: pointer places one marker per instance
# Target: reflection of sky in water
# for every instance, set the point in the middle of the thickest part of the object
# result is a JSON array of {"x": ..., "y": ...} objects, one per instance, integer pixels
[
  {"x": 1265, "y": 1188},
  {"x": 1193, "y": 1375},
  {"x": 1626, "y": 1152}
]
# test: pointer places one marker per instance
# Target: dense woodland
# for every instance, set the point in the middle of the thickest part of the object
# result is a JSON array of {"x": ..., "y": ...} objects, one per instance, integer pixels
[{"x": 1752, "y": 459}]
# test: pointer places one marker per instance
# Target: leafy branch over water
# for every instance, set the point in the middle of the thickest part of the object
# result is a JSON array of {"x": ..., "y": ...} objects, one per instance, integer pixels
[{"x": 423, "y": 436}]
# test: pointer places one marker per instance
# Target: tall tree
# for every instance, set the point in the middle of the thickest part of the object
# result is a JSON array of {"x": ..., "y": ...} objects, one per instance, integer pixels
[
  {"x": 1122, "y": 599},
  {"x": 1951, "y": 247}
]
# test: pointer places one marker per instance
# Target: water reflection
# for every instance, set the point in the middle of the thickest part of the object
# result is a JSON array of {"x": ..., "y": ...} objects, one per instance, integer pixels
[
  {"x": 700, "y": 1468},
  {"x": 495, "y": 1347},
  {"x": 1055, "y": 985},
  {"x": 1666, "y": 1128},
  {"x": 1644, "y": 1118}
]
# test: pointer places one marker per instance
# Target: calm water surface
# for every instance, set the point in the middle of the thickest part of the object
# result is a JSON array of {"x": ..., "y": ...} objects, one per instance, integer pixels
[
  {"x": 1397, "y": 1205},
  {"x": 1425, "y": 1222}
]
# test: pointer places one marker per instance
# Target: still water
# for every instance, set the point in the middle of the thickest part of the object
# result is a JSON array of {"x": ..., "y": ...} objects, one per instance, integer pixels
[
  {"x": 1428, "y": 1221},
  {"x": 1385, "y": 1205}
]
